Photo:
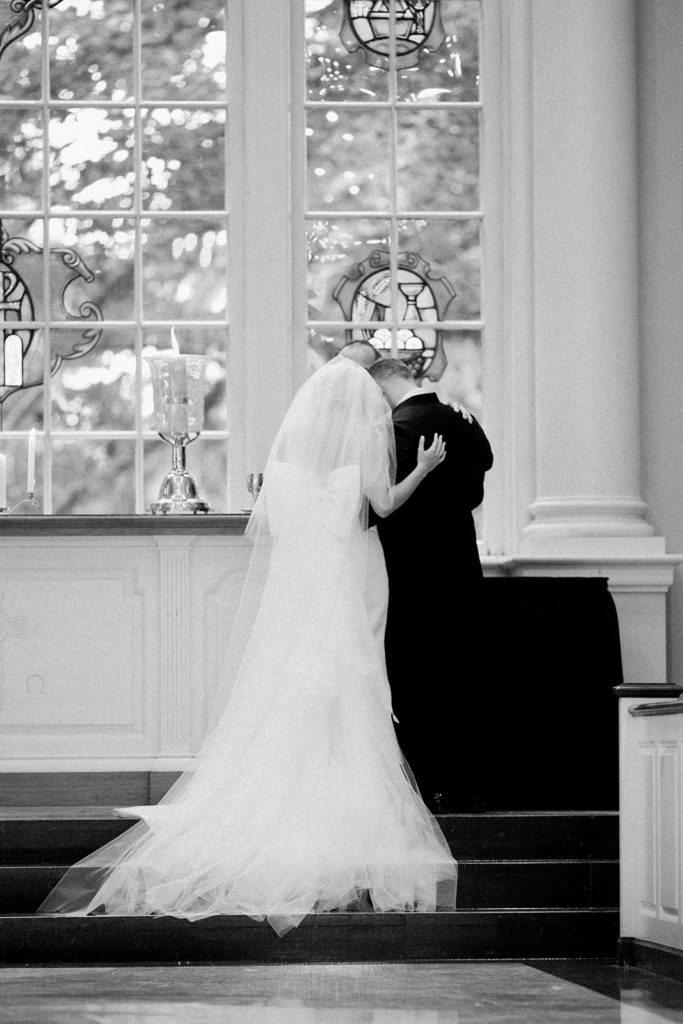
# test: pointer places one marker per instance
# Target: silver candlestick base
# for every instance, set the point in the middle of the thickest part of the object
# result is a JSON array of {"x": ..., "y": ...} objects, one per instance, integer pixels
[
  {"x": 179, "y": 494},
  {"x": 29, "y": 502}
]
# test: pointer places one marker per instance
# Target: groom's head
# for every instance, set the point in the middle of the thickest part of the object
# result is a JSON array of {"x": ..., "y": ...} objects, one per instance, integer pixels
[
  {"x": 394, "y": 378},
  {"x": 362, "y": 352}
]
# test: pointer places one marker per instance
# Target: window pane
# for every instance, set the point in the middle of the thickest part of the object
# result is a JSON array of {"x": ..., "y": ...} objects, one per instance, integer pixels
[
  {"x": 91, "y": 50},
  {"x": 349, "y": 160},
  {"x": 183, "y": 158},
  {"x": 23, "y": 409},
  {"x": 208, "y": 341},
  {"x": 16, "y": 451},
  {"x": 206, "y": 461},
  {"x": 450, "y": 72},
  {"x": 157, "y": 463},
  {"x": 106, "y": 247},
  {"x": 21, "y": 159},
  {"x": 92, "y": 476},
  {"x": 452, "y": 249},
  {"x": 184, "y": 269},
  {"x": 335, "y": 247},
  {"x": 97, "y": 390},
  {"x": 22, "y": 285},
  {"x": 332, "y": 72},
  {"x": 20, "y": 64},
  {"x": 183, "y": 49},
  {"x": 438, "y": 160},
  {"x": 91, "y": 162},
  {"x": 324, "y": 344}
]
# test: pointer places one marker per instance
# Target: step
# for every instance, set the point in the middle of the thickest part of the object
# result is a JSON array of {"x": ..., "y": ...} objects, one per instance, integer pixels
[
  {"x": 536, "y": 835},
  {"x": 481, "y": 884},
  {"x": 35, "y": 835},
  {"x": 537, "y": 884},
  {"x": 460, "y": 935}
]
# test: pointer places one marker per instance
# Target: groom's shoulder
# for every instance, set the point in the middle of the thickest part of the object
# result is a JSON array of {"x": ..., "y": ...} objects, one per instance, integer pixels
[
  {"x": 417, "y": 405},
  {"x": 421, "y": 415},
  {"x": 428, "y": 407}
]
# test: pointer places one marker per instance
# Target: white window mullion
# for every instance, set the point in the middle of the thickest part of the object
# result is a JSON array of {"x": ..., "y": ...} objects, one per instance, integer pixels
[
  {"x": 393, "y": 197},
  {"x": 230, "y": 107},
  {"x": 47, "y": 299},
  {"x": 137, "y": 267},
  {"x": 235, "y": 187}
]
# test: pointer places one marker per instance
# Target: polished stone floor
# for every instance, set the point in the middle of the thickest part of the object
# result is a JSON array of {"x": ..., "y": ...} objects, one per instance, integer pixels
[{"x": 463, "y": 993}]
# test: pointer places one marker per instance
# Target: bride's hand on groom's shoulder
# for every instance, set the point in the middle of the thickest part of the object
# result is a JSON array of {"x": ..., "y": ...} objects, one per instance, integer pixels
[{"x": 429, "y": 458}]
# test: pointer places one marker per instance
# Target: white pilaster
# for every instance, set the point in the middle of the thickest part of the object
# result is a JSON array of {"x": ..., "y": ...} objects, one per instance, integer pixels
[
  {"x": 588, "y": 497},
  {"x": 174, "y": 645}
]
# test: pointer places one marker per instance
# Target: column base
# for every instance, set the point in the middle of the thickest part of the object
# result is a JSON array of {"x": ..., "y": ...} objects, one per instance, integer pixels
[{"x": 590, "y": 527}]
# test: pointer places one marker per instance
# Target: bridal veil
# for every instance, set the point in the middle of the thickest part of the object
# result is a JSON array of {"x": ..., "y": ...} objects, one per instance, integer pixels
[{"x": 299, "y": 800}]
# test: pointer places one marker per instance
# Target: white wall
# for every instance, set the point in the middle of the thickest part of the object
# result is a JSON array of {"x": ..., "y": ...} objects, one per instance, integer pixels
[{"x": 660, "y": 88}]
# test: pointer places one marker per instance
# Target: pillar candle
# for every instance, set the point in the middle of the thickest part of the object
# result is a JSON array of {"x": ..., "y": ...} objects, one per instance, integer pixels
[{"x": 177, "y": 372}]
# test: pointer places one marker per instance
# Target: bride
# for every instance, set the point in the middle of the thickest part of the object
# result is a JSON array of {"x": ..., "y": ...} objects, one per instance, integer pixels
[{"x": 299, "y": 801}]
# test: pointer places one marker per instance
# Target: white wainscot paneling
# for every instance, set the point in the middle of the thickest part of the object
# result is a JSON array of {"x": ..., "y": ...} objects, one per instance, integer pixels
[
  {"x": 75, "y": 671},
  {"x": 216, "y": 588},
  {"x": 111, "y": 647},
  {"x": 651, "y": 815}
]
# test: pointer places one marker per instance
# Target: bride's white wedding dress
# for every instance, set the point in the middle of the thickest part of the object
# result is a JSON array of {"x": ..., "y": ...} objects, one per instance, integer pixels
[{"x": 300, "y": 801}]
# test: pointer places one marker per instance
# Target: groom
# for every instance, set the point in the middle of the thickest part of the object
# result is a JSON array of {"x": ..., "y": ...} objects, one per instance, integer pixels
[{"x": 430, "y": 548}]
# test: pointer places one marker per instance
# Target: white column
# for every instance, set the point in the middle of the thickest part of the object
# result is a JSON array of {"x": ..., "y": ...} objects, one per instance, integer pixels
[{"x": 588, "y": 497}]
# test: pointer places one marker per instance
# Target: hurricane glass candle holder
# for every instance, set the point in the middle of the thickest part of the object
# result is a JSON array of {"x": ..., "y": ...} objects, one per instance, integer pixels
[{"x": 178, "y": 390}]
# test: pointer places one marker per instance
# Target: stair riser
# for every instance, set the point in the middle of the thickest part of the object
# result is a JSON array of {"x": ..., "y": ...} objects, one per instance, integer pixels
[
  {"x": 331, "y": 937},
  {"x": 552, "y": 837},
  {"x": 480, "y": 886},
  {"x": 58, "y": 841},
  {"x": 532, "y": 837}
]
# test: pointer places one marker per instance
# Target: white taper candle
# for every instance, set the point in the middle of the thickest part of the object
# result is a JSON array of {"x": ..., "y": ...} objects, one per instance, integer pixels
[{"x": 31, "y": 468}]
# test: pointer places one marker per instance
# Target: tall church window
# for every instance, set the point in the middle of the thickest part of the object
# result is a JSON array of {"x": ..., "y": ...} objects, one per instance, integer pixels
[
  {"x": 114, "y": 228},
  {"x": 393, "y": 216}
]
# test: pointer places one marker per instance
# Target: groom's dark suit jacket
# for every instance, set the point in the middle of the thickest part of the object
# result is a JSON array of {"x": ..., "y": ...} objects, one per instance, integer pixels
[
  {"x": 434, "y": 571},
  {"x": 431, "y": 538}
]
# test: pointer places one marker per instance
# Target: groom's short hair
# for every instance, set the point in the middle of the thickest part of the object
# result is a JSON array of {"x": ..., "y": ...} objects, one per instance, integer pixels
[
  {"x": 362, "y": 352},
  {"x": 383, "y": 369}
]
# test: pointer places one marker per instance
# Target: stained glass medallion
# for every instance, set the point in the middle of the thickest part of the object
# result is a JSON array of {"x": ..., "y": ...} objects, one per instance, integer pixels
[
  {"x": 423, "y": 298},
  {"x": 368, "y": 26},
  {"x": 21, "y": 19},
  {"x": 22, "y": 365}
]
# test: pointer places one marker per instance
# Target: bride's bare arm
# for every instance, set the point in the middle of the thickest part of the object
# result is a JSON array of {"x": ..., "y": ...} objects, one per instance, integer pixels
[{"x": 427, "y": 460}]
